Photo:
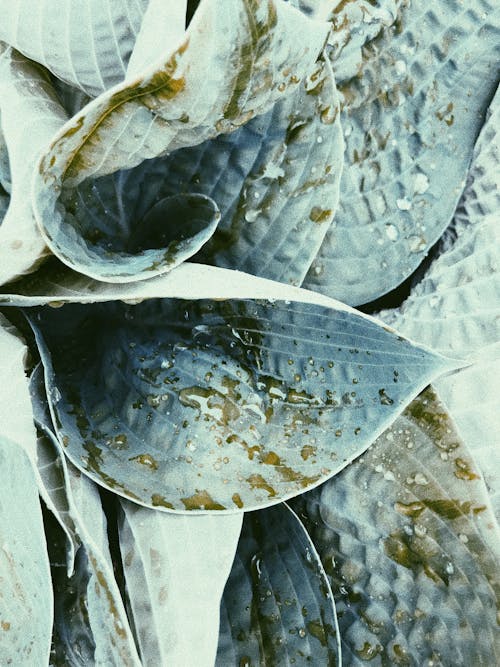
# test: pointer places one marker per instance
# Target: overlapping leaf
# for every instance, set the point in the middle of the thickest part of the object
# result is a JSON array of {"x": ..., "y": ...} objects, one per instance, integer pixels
[
  {"x": 410, "y": 121},
  {"x": 456, "y": 306},
  {"x": 83, "y": 43},
  {"x": 411, "y": 548},
  {"x": 278, "y": 607},
  {"x": 221, "y": 405},
  {"x": 175, "y": 570},
  {"x": 234, "y": 63},
  {"x": 30, "y": 114},
  {"x": 90, "y": 619}
]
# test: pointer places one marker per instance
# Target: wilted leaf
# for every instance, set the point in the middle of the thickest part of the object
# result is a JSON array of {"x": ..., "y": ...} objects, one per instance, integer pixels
[
  {"x": 411, "y": 548},
  {"x": 410, "y": 121},
  {"x": 278, "y": 608},
  {"x": 235, "y": 62},
  {"x": 175, "y": 570},
  {"x": 26, "y": 602},
  {"x": 30, "y": 114},
  {"x": 84, "y": 43},
  {"x": 213, "y": 404}
]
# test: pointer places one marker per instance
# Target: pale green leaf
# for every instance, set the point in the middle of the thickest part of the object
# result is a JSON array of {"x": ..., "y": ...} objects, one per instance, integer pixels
[
  {"x": 456, "y": 306},
  {"x": 26, "y": 601},
  {"x": 175, "y": 570},
  {"x": 85, "y": 43},
  {"x": 30, "y": 114}
]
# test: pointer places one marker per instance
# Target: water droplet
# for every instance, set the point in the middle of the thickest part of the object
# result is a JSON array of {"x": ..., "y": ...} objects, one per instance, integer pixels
[
  {"x": 421, "y": 183},
  {"x": 403, "y": 204},
  {"x": 391, "y": 232}
]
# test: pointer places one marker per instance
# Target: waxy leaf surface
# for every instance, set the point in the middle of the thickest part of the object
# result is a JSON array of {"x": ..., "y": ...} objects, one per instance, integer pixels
[
  {"x": 222, "y": 404},
  {"x": 278, "y": 608},
  {"x": 411, "y": 548}
]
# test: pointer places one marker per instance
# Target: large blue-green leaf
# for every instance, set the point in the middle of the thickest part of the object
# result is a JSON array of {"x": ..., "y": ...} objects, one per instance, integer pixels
[
  {"x": 175, "y": 570},
  {"x": 222, "y": 404},
  {"x": 30, "y": 114},
  {"x": 278, "y": 608},
  {"x": 411, "y": 548},
  {"x": 235, "y": 62},
  {"x": 410, "y": 120},
  {"x": 85, "y": 43}
]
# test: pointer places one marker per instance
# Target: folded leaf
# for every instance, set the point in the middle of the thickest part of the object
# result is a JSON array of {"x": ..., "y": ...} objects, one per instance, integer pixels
[
  {"x": 26, "y": 602},
  {"x": 30, "y": 114},
  {"x": 235, "y": 62},
  {"x": 175, "y": 570},
  {"x": 278, "y": 606},
  {"x": 410, "y": 546},
  {"x": 410, "y": 121},
  {"x": 84, "y": 43},
  {"x": 222, "y": 404}
]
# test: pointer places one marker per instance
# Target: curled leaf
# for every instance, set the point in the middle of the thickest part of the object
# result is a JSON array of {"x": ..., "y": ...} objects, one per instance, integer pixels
[
  {"x": 275, "y": 179},
  {"x": 234, "y": 63}
]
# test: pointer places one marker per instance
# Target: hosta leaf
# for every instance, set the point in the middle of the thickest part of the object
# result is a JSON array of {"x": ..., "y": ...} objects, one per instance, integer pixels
[
  {"x": 456, "y": 306},
  {"x": 30, "y": 114},
  {"x": 411, "y": 547},
  {"x": 84, "y": 43},
  {"x": 235, "y": 62},
  {"x": 279, "y": 189},
  {"x": 175, "y": 570},
  {"x": 222, "y": 404},
  {"x": 410, "y": 121},
  {"x": 26, "y": 602},
  {"x": 278, "y": 607},
  {"x": 90, "y": 618}
]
